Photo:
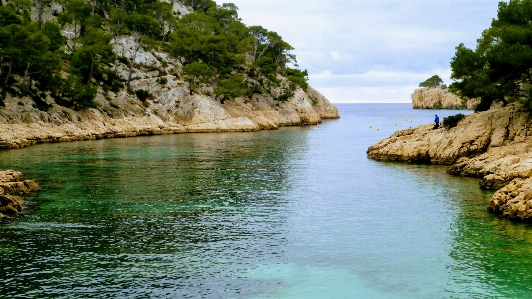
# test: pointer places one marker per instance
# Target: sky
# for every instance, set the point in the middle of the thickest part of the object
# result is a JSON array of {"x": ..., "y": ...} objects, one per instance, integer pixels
[{"x": 372, "y": 51}]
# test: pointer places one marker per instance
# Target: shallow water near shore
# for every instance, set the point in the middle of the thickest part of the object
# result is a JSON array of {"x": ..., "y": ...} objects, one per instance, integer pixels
[{"x": 297, "y": 212}]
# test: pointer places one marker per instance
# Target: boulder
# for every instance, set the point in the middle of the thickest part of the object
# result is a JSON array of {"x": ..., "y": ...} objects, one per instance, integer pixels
[
  {"x": 514, "y": 201},
  {"x": 12, "y": 186}
]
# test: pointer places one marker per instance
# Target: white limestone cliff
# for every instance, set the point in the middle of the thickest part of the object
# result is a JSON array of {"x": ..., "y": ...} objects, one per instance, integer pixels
[{"x": 439, "y": 98}]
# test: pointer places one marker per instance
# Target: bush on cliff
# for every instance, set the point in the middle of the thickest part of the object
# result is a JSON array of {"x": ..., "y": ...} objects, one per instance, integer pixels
[
  {"x": 452, "y": 121},
  {"x": 143, "y": 95}
]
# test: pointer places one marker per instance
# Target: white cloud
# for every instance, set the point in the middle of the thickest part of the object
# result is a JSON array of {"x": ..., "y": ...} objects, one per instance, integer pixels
[
  {"x": 376, "y": 78},
  {"x": 372, "y": 50},
  {"x": 335, "y": 55},
  {"x": 364, "y": 94},
  {"x": 372, "y": 86}
]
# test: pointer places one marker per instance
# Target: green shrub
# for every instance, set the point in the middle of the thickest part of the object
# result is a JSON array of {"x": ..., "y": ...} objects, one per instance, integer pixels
[
  {"x": 285, "y": 97},
  {"x": 432, "y": 82},
  {"x": 298, "y": 77},
  {"x": 123, "y": 59},
  {"x": 452, "y": 121},
  {"x": 143, "y": 95},
  {"x": 39, "y": 101},
  {"x": 116, "y": 86},
  {"x": 162, "y": 80}
]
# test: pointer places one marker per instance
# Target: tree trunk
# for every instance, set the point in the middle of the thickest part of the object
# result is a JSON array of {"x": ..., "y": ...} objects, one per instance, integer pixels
[
  {"x": 26, "y": 74},
  {"x": 92, "y": 66},
  {"x": 1, "y": 71},
  {"x": 4, "y": 79},
  {"x": 75, "y": 36},
  {"x": 263, "y": 51},
  {"x": 255, "y": 48},
  {"x": 40, "y": 10},
  {"x": 4, "y": 88}
]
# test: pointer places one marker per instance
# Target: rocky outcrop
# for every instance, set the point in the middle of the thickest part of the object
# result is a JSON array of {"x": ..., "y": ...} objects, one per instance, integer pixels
[
  {"x": 12, "y": 185},
  {"x": 514, "y": 201},
  {"x": 439, "y": 98},
  {"x": 492, "y": 145}
]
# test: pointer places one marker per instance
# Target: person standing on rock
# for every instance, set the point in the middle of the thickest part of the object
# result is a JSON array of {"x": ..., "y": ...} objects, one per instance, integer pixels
[{"x": 436, "y": 121}]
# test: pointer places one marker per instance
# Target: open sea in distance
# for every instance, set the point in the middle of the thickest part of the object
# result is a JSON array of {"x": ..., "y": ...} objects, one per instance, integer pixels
[{"x": 298, "y": 212}]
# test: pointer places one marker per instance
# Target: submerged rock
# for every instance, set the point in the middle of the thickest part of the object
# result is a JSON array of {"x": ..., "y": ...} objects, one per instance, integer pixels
[
  {"x": 492, "y": 145},
  {"x": 12, "y": 185}
]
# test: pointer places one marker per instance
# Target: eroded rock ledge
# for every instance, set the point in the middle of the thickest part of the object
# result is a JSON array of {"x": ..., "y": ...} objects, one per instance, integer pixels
[
  {"x": 493, "y": 145},
  {"x": 12, "y": 186}
]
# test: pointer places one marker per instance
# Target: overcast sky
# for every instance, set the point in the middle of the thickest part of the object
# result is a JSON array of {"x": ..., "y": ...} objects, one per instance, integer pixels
[{"x": 372, "y": 51}]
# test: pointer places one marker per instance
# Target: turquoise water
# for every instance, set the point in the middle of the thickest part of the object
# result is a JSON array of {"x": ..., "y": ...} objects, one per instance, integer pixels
[{"x": 293, "y": 213}]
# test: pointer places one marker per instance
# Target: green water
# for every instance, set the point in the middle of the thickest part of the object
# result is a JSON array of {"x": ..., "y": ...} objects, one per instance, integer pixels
[{"x": 292, "y": 213}]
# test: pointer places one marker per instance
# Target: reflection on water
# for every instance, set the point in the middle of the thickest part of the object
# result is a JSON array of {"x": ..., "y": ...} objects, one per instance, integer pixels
[
  {"x": 292, "y": 213},
  {"x": 182, "y": 215}
]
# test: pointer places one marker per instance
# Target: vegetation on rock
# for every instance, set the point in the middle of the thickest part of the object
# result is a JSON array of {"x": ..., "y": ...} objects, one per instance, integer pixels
[
  {"x": 433, "y": 81},
  {"x": 70, "y": 56},
  {"x": 452, "y": 121},
  {"x": 498, "y": 70}
]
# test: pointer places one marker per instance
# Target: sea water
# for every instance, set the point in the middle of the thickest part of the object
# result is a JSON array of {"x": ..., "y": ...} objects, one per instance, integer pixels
[{"x": 298, "y": 212}]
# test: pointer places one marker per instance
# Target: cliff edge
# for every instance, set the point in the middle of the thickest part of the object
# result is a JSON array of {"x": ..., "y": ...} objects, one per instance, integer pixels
[
  {"x": 491, "y": 145},
  {"x": 439, "y": 98}
]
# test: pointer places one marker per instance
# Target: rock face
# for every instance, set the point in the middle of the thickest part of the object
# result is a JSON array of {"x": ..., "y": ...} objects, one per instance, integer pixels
[
  {"x": 12, "y": 186},
  {"x": 492, "y": 145},
  {"x": 439, "y": 98}
]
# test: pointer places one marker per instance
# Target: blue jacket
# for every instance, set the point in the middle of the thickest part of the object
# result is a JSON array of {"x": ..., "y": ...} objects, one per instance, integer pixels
[{"x": 436, "y": 119}]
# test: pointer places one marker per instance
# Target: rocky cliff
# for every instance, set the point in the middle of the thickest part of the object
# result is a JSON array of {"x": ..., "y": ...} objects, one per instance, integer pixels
[
  {"x": 491, "y": 145},
  {"x": 439, "y": 98},
  {"x": 12, "y": 185},
  {"x": 170, "y": 107}
]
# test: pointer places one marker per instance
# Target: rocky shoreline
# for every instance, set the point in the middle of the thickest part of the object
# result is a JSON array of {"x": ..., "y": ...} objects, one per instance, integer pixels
[
  {"x": 12, "y": 186},
  {"x": 172, "y": 110},
  {"x": 491, "y": 145}
]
